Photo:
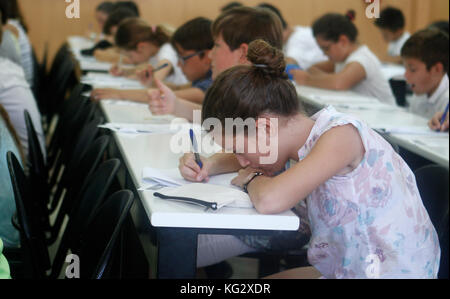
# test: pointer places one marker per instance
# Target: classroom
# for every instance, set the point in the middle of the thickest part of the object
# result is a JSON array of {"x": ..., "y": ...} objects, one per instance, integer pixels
[{"x": 255, "y": 142}]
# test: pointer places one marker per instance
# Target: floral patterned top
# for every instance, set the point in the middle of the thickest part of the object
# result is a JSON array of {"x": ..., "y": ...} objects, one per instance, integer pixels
[{"x": 370, "y": 223}]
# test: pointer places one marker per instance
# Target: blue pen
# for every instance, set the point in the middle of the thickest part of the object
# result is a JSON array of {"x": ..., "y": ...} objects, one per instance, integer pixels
[
  {"x": 444, "y": 116},
  {"x": 194, "y": 146}
]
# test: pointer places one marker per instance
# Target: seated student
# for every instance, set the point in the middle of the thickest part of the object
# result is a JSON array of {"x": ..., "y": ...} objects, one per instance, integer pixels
[
  {"x": 8, "y": 142},
  {"x": 16, "y": 96},
  {"x": 363, "y": 202},
  {"x": 425, "y": 56},
  {"x": 351, "y": 66},
  {"x": 102, "y": 12},
  {"x": 17, "y": 23},
  {"x": 105, "y": 50},
  {"x": 9, "y": 45},
  {"x": 147, "y": 45},
  {"x": 4, "y": 267},
  {"x": 299, "y": 42},
  {"x": 193, "y": 43},
  {"x": 392, "y": 26},
  {"x": 230, "y": 49}
]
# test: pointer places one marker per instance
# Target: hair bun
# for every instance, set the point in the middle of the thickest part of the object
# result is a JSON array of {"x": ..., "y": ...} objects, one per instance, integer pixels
[
  {"x": 351, "y": 15},
  {"x": 266, "y": 58}
]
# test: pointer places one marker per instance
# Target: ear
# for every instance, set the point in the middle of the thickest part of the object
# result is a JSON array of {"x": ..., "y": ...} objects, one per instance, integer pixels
[
  {"x": 141, "y": 46},
  {"x": 207, "y": 57},
  {"x": 268, "y": 126},
  {"x": 243, "y": 49},
  {"x": 438, "y": 68},
  {"x": 343, "y": 39}
]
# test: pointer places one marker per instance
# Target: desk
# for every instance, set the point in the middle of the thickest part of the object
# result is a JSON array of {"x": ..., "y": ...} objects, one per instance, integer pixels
[
  {"x": 177, "y": 225},
  {"x": 78, "y": 43},
  {"x": 433, "y": 148}
]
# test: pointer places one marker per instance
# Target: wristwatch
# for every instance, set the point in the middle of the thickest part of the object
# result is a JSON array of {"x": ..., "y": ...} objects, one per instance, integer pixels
[{"x": 255, "y": 175}]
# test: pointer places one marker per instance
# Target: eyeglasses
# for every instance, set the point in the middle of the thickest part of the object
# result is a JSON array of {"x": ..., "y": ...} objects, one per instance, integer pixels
[{"x": 183, "y": 59}]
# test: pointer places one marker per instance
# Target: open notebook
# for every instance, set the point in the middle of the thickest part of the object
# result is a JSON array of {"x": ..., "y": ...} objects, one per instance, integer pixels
[{"x": 215, "y": 194}]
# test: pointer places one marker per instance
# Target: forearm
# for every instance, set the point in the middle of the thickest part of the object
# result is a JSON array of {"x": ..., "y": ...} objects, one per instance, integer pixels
[
  {"x": 223, "y": 163},
  {"x": 191, "y": 94},
  {"x": 185, "y": 109},
  {"x": 137, "y": 95},
  {"x": 324, "y": 80}
]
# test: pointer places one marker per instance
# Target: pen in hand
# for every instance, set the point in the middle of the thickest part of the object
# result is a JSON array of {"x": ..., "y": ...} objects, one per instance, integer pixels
[
  {"x": 444, "y": 116},
  {"x": 195, "y": 148},
  {"x": 147, "y": 73}
]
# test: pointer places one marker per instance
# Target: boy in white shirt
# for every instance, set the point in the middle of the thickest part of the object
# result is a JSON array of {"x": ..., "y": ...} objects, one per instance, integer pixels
[
  {"x": 425, "y": 56},
  {"x": 392, "y": 26}
]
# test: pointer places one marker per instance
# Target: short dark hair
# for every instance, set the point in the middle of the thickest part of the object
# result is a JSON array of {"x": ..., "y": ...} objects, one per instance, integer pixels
[
  {"x": 194, "y": 35},
  {"x": 441, "y": 25},
  {"x": 246, "y": 24},
  {"x": 276, "y": 11},
  {"x": 391, "y": 18},
  {"x": 116, "y": 17},
  {"x": 3, "y": 17},
  {"x": 127, "y": 4},
  {"x": 132, "y": 31},
  {"x": 231, "y": 5},
  {"x": 106, "y": 7},
  {"x": 331, "y": 26},
  {"x": 429, "y": 46},
  {"x": 248, "y": 91}
]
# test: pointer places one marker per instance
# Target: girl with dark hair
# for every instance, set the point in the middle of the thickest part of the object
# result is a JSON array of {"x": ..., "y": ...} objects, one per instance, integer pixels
[
  {"x": 351, "y": 66},
  {"x": 145, "y": 45},
  {"x": 366, "y": 215}
]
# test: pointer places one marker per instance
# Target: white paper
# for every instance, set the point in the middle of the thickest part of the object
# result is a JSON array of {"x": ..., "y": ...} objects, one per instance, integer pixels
[{"x": 410, "y": 131}]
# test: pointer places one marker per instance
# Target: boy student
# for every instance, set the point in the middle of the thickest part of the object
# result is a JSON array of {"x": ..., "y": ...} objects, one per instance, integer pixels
[
  {"x": 299, "y": 42},
  {"x": 425, "y": 56},
  {"x": 230, "y": 49},
  {"x": 193, "y": 43},
  {"x": 392, "y": 26},
  {"x": 351, "y": 66}
]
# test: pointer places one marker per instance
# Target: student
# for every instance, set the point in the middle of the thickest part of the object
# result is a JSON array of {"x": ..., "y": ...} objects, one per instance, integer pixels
[
  {"x": 16, "y": 22},
  {"x": 9, "y": 45},
  {"x": 102, "y": 13},
  {"x": 299, "y": 42},
  {"x": 148, "y": 45},
  {"x": 106, "y": 50},
  {"x": 193, "y": 42},
  {"x": 16, "y": 96},
  {"x": 425, "y": 56},
  {"x": 8, "y": 142},
  {"x": 230, "y": 49},
  {"x": 363, "y": 202},
  {"x": 351, "y": 66},
  {"x": 4, "y": 267},
  {"x": 392, "y": 26}
]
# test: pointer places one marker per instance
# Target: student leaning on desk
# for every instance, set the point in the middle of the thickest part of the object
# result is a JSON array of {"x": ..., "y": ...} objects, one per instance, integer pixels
[
  {"x": 366, "y": 214},
  {"x": 351, "y": 66}
]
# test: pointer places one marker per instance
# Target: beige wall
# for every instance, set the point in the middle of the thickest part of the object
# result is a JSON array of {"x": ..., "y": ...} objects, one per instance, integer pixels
[{"x": 48, "y": 24}]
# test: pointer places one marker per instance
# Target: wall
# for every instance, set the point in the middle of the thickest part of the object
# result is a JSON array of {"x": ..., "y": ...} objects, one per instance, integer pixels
[{"x": 48, "y": 24}]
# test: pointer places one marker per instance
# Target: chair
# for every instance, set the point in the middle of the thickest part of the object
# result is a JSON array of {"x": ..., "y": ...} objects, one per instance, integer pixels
[
  {"x": 101, "y": 238},
  {"x": 35, "y": 251},
  {"x": 432, "y": 181},
  {"x": 89, "y": 199},
  {"x": 38, "y": 172},
  {"x": 73, "y": 180}
]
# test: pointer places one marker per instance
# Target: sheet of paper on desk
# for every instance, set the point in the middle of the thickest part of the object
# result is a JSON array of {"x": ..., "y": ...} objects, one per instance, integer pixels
[
  {"x": 223, "y": 196},
  {"x": 106, "y": 80},
  {"x": 333, "y": 99},
  {"x": 146, "y": 128},
  {"x": 411, "y": 131}
]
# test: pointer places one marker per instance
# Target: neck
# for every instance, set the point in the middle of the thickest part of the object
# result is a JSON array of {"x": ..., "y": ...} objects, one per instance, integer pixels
[
  {"x": 295, "y": 133},
  {"x": 436, "y": 86}
]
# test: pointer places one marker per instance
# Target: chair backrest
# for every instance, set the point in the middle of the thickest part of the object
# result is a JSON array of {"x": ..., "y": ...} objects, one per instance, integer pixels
[
  {"x": 90, "y": 198},
  {"x": 32, "y": 234},
  {"x": 38, "y": 172},
  {"x": 102, "y": 235},
  {"x": 433, "y": 184}
]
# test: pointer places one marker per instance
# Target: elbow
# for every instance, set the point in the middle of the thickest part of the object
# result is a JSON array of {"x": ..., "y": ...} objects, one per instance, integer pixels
[
  {"x": 266, "y": 204},
  {"x": 341, "y": 85}
]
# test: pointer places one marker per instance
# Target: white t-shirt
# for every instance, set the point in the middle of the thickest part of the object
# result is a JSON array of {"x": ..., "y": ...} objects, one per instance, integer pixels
[
  {"x": 375, "y": 84},
  {"x": 167, "y": 52},
  {"x": 302, "y": 47},
  {"x": 9, "y": 47},
  {"x": 395, "y": 47},
  {"x": 15, "y": 97},
  {"x": 26, "y": 51},
  {"x": 429, "y": 106}
]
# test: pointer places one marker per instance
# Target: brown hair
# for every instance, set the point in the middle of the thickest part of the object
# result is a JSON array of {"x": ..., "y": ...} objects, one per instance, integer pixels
[
  {"x": 429, "y": 46},
  {"x": 133, "y": 31},
  {"x": 247, "y": 91},
  {"x": 243, "y": 25}
]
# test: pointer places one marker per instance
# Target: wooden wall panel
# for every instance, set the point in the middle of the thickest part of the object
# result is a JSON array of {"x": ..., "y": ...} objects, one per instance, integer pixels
[{"x": 49, "y": 25}]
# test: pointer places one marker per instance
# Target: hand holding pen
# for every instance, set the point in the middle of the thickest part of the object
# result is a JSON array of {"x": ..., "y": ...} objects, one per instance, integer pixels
[
  {"x": 440, "y": 121},
  {"x": 146, "y": 76}
]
